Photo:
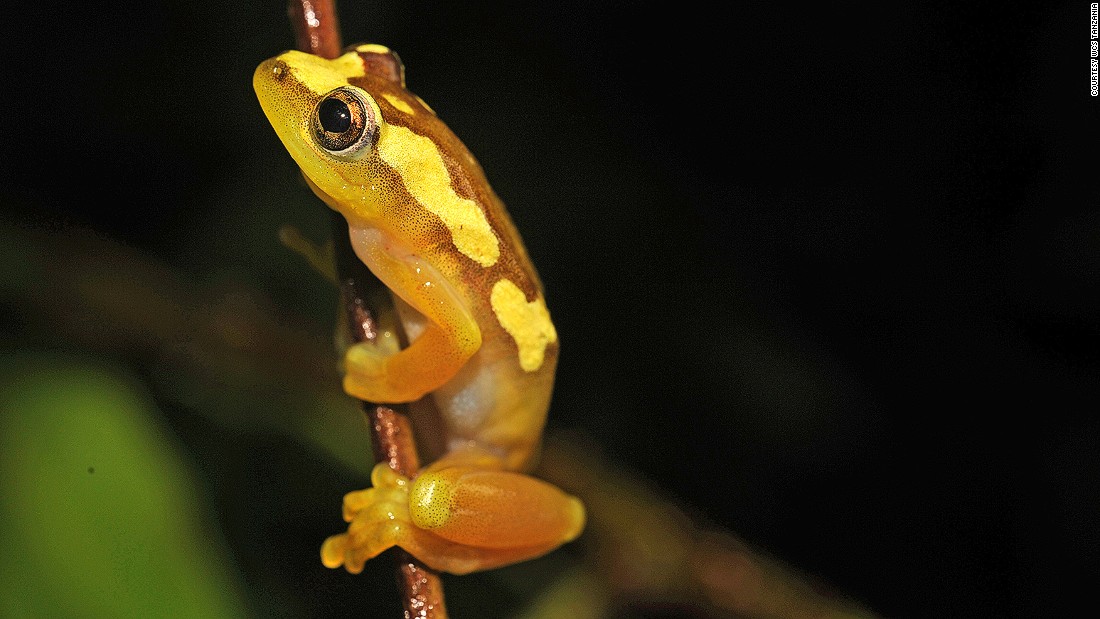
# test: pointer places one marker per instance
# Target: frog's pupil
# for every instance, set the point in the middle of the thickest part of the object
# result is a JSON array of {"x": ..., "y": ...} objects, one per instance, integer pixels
[{"x": 334, "y": 115}]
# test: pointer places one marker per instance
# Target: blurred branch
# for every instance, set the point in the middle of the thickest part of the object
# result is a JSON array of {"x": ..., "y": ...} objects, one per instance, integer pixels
[
  {"x": 652, "y": 553},
  {"x": 317, "y": 31},
  {"x": 316, "y": 27}
]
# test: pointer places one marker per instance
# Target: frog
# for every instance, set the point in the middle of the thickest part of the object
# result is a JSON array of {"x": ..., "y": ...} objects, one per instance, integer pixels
[{"x": 482, "y": 349}]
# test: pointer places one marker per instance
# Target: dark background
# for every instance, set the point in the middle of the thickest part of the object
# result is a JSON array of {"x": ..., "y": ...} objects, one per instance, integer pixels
[{"x": 827, "y": 276}]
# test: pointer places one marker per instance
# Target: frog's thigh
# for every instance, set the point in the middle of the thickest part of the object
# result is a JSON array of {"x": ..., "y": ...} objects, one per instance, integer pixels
[
  {"x": 494, "y": 509},
  {"x": 450, "y": 337},
  {"x": 489, "y": 519}
]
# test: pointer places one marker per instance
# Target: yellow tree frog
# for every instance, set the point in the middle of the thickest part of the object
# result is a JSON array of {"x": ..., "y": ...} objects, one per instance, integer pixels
[{"x": 424, "y": 219}]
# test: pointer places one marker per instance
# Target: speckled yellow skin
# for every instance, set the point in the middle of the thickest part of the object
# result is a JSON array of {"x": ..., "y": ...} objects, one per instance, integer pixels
[{"x": 423, "y": 218}]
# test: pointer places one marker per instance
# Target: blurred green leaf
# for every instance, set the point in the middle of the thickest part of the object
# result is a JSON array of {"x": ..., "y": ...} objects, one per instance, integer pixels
[{"x": 99, "y": 514}]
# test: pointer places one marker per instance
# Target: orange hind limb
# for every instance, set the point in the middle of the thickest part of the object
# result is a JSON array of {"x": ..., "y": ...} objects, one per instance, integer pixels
[{"x": 454, "y": 518}]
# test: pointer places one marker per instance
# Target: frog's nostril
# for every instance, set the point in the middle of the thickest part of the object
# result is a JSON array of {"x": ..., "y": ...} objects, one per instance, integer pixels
[{"x": 279, "y": 70}]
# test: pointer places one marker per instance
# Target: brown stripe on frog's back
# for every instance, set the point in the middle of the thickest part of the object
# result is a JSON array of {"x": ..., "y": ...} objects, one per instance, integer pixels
[
  {"x": 514, "y": 264},
  {"x": 506, "y": 288},
  {"x": 414, "y": 226},
  {"x": 417, "y": 160},
  {"x": 466, "y": 180},
  {"x": 381, "y": 61},
  {"x": 399, "y": 107},
  {"x": 469, "y": 182},
  {"x": 503, "y": 291},
  {"x": 404, "y": 109}
]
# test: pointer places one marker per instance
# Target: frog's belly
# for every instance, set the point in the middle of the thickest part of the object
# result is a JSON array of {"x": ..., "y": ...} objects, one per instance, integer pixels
[
  {"x": 495, "y": 404},
  {"x": 491, "y": 402}
]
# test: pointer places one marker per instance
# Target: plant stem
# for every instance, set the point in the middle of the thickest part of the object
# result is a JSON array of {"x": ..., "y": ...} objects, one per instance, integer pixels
[{"x": 317, "y": 31}]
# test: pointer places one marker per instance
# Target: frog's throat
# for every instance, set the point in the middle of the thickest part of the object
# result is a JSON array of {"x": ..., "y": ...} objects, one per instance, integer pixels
[{"x": 324, "y": 196}]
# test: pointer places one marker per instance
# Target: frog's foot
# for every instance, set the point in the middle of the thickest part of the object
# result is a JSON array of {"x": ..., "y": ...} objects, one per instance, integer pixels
[
  {"x": 378, "y": 518},
  {"x": 461, "y": 519}
]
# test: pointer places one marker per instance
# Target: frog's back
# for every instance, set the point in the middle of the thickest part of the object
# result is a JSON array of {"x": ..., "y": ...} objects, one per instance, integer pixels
[{"x": 499, "y": 399}]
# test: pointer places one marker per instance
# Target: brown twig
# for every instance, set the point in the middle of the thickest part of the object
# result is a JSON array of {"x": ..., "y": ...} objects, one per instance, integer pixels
[
  {"x": 316, "y": 27},
  {"x": 317, "y": 31}
]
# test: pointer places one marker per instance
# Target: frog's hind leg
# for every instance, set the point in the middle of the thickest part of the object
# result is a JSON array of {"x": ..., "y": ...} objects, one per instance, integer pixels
[
  {"x": 459, "y": 516},
  {"x": 488, "y": 507}
]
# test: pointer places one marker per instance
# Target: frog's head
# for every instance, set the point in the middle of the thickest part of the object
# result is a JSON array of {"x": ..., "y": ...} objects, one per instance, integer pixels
[
  {"x": 331, "y": 116},
  {"x": 376, "y": 153}
]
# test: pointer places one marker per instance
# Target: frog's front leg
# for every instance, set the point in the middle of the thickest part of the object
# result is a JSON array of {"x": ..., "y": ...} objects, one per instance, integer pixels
[
  {"x": 460, "y": 515},
  {"x": 450, "y": 336}
]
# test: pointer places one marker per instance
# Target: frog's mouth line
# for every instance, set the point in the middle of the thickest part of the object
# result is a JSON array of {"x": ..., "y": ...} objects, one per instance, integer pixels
[{"x": 288, "y": 104}]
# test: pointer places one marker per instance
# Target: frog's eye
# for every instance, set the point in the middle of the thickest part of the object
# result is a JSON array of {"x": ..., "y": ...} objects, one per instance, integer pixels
[{"x": 344, "y": 124}]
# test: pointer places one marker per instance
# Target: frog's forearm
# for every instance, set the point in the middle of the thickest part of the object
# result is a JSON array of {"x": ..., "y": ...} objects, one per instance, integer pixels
[{"x": 451, "y": 335}]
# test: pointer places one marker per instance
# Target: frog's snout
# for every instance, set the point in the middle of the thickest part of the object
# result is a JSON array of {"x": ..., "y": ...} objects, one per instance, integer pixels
[{"x": 270, "y": 71}]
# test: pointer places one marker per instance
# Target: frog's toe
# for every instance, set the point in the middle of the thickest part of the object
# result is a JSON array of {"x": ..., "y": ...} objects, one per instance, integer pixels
[
  {"x": 366, "y": 361},
  {"x": 359, "y": 545},
  {"x": 354, "y": 548},
  {"x": 378, "y": 517},
  {"x": 334, "y": 552},
  {"x": 367, "y": 537},
  {"x": 366, "y": 374}
]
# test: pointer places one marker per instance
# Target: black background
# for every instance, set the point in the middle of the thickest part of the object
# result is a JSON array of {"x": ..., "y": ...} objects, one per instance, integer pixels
[{"x": 829, "y": 276}]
